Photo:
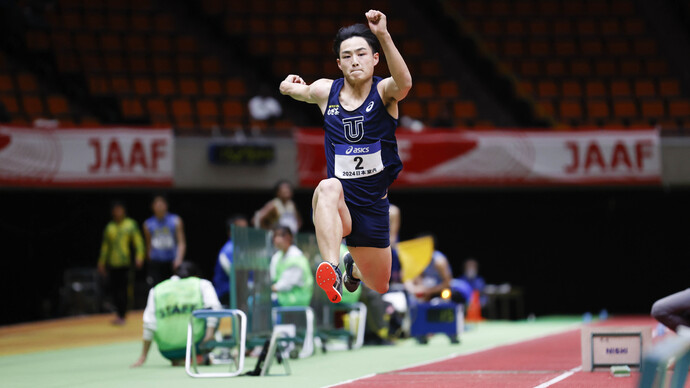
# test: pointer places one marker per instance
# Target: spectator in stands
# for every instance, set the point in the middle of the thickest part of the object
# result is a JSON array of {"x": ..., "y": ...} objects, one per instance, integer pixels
[
  {"x": 165, "y": 241},
  {"x": 168, "y": 309},
  {"x": 263, "y": 107},
  {"x": 221, "y": 276},
  {"x": 115, "y": 261},
  {"x": 290, "y": 271},
  {"x": 673, "y": 310},
  {"x": 281, "y": 210}
]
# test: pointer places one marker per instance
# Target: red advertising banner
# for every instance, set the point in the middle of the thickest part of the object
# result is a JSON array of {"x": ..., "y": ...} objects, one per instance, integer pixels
[
  {"x": 499, "y": 158},
  {"x": 86, "y": 157}
]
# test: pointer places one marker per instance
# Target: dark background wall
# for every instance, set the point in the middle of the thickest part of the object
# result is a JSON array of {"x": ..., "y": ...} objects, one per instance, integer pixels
[{"x": 571, "y": 250}]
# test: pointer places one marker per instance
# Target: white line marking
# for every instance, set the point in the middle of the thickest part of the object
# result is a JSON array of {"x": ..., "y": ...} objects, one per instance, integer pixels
[
  {"x": 353, "y": 380},
  {"x": 560, "y": 378},
  {"x": 572, "y": 327}
]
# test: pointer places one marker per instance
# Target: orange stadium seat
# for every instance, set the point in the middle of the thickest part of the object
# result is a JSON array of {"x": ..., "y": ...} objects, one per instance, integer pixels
[
  {"x": 165, "y": 87},
  {"x": 233, "y": 110},
  {"x": 132, "y": 108},
  {"x": 27, "y": 82},
  {"x": 679, "y": 108},
  {"x": 653, "y": 109},
  {"x": 33, "y": 106},
  {"x": 6, "y": 83},
  {"x": 547, "y": 89},
  {"x": 414, "y": 109},
  {"x": 99, "y": 85},
  {"x": 448, "y": 89},
  {"x": 188, "y": 87},
  {"x": 624, "y": 109},
  {"x": 644, "y": 88},
  {"x": 164, "y": 23},
  {"x": 570, "y": 110},
  {"x": 465, "y": 110},
  {"x": 117, "y": 22},
  {"x": 58, "y": 106},
  {"x": 555, "y": 68},
  {"x": 110, "y": 42},
  {"x": 597, "y": 109},
  {"x": 158, "y": 111},
  {"x": 595, "y": 89},
  {"x": 211, "y": 87},
  {"x": 210, "y": 66},
  {"x": 571, "y": 89},
  {"x": 620, "y": 89},
  {"x": 121, "y": 85},
  {"x": 423, "y": 89},
  {"x": 10, "y": 103},
  {"x": 140, "y": 22},
  {"x": 235, "y": 87},
  {"x": 143, "y": 86},
  {"x": 580, "y": 68},
  {"x": 669, "y": 88}
]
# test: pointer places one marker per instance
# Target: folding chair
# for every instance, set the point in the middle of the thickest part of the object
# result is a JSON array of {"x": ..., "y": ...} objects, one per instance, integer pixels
[
  {"x": 308, "y": 341},
  {"x": 190, "y": 359}
]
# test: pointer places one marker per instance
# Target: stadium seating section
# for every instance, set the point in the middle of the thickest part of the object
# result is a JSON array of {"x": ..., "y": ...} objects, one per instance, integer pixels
[{"x": 580, "y": 63}]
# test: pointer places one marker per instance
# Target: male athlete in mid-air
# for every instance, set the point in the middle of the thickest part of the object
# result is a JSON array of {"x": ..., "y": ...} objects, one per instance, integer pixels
[{"x": 360, "y": 116}]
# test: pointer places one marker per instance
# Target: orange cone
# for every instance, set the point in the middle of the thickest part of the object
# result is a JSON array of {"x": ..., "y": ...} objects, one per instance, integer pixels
[{"x": 474, "y": 310}]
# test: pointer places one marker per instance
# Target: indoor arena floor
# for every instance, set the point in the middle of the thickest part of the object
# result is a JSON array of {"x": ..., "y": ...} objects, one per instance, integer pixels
[{"x": 89, "y": 352}]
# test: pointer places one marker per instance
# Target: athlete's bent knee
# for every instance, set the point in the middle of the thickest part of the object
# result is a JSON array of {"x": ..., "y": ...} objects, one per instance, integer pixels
[
  {"x": 329, "y": 187},
  {"x": 381, "y": 288}
]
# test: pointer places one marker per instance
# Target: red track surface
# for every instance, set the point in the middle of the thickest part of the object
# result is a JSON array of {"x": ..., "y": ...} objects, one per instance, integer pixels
[{"x": 525, "y": 364}]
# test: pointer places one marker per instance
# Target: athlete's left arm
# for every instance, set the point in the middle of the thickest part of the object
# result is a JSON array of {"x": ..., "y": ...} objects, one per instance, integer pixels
[
  {"x": 181, "y": 243},
  {"x": 395, "y": 87}
]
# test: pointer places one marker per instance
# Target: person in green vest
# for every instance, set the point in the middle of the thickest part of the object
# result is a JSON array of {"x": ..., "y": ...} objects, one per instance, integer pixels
[
  {"x": 168, "y": 309},
  {"x": 115, "y": 260},
  {"x": 290, "y": 271}
]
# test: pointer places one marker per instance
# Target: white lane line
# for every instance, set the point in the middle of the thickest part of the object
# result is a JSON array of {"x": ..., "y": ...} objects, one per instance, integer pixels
[{"x": 560, "y": 378}]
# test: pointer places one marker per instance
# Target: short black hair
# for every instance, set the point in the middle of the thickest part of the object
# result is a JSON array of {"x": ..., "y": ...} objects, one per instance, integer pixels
[
  {"x": 117, "y": 203},
  {"x": 358, "y": 29},
  {"x": 281, "y": 182},
  {"x": 187, "y": 269},
  {"x": 162, "y": 196},
  {"x": 282, "y": 229},
  {"x": 231, "y": 221}
]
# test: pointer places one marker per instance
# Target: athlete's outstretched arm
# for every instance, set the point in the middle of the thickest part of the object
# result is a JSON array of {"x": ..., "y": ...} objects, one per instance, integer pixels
[
  {"x": 316, "y": 93},
  {"x": 400, "y": 81}
]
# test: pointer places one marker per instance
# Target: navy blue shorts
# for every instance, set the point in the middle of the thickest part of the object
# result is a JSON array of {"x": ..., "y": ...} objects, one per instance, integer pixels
[{"x": 370, "y": 225}]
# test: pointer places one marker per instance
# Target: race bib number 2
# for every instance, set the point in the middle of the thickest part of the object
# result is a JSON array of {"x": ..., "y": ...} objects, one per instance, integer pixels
[{"x": 357, "y": 161}]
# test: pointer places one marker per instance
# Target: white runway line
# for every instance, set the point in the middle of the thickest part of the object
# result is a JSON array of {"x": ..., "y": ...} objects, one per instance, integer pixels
[{"x": 560, "y": 378}]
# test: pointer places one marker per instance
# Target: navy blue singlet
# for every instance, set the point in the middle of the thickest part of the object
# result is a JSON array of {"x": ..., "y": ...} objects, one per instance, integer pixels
[{"x": 361, "y": 149}]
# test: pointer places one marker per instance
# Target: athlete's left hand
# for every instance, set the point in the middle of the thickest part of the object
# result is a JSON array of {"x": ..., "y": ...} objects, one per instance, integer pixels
[{"x": 377, "y": 22}]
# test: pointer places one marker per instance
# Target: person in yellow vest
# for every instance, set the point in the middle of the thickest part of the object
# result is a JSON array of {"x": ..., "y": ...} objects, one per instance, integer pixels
[
  {"x": 290, "y": 271},
  {"x": 168, "y": 309},
  {"x": 115, "y": 260}
]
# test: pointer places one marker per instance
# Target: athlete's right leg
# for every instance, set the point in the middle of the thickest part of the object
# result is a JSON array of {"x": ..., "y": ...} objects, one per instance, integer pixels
[
  {"x": 331, "y": 218},
  {"x": 332, "y": 221}
]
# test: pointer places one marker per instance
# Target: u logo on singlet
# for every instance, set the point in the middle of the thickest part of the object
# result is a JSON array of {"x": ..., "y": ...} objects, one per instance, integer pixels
[{"x": 354, "y": 128}]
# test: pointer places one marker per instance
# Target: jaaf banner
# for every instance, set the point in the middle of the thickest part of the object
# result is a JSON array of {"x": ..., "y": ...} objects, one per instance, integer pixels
[
  {"x": 499, "y": 158},
  {"x": 86, "y": 157}
]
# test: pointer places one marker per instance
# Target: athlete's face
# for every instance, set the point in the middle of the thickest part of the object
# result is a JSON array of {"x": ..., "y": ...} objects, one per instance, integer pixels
[{"x": 356, "y": 60}]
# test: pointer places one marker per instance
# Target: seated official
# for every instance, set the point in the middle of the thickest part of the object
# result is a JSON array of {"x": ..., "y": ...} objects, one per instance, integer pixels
[
  {"x": 290, "y": 271},
  {"x": 435, "y": 278},
  {"x": 168, "y": 309}
]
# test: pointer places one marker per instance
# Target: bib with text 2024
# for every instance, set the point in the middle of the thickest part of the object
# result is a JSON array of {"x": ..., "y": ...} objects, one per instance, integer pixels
[{"x": 357, "y": 161}]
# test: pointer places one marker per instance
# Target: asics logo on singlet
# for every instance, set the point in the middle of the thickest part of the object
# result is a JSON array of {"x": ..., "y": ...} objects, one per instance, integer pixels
[
  {"x": 358, "y": 150},
  {"x": 371, "y": 105}
]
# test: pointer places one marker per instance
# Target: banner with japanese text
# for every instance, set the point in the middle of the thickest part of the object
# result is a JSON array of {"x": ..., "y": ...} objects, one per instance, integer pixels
[
  {"x": 498, "y": 158},
  {"x": 86, "y": 157}
]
